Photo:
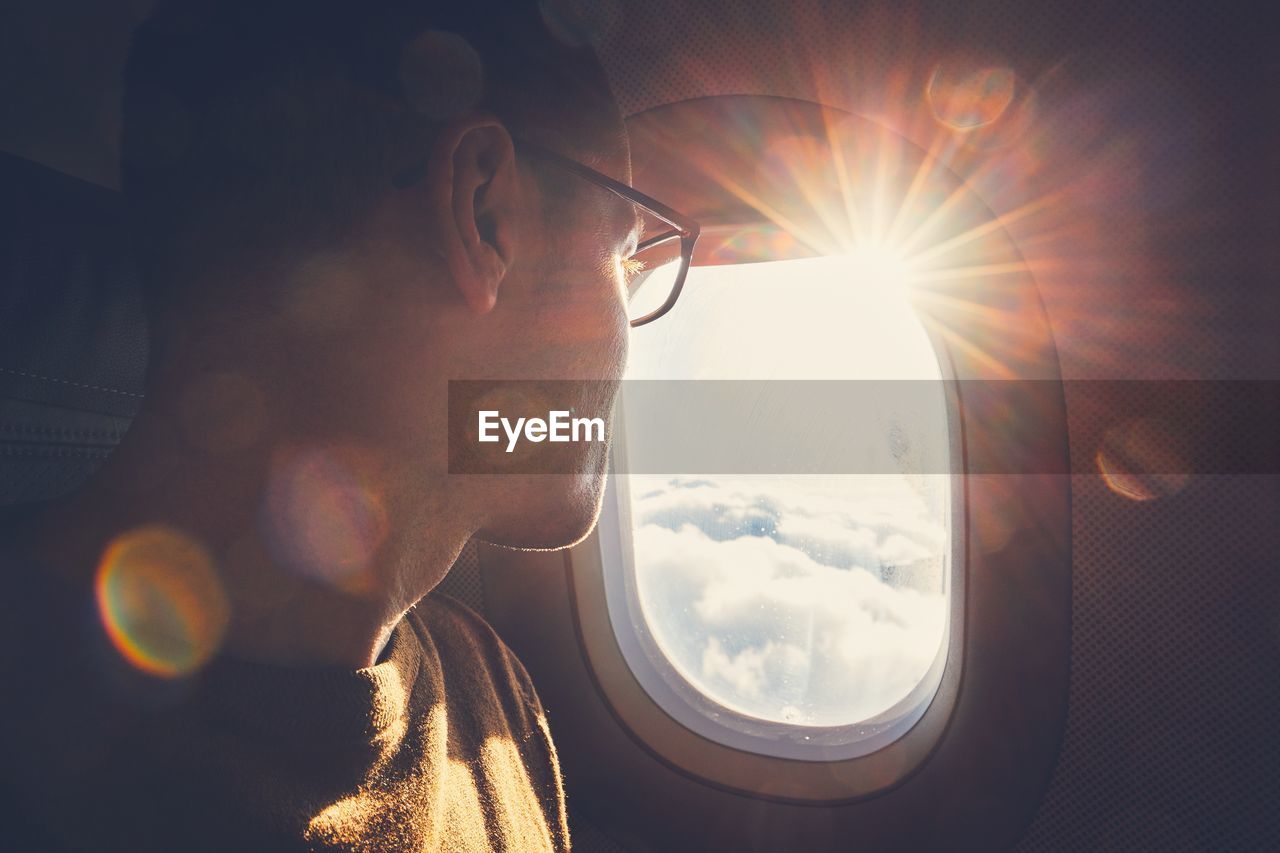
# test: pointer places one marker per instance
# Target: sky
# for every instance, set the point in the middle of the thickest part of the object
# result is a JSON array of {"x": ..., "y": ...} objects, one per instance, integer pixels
[{"x": 814, "y": 600}]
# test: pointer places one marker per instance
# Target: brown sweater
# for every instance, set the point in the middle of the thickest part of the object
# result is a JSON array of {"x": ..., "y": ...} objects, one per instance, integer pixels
[{"x": 443, "y": 745}]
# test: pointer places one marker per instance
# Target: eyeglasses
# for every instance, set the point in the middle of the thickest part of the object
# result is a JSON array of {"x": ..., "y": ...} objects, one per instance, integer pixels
[{"x": 657, "y": 270}]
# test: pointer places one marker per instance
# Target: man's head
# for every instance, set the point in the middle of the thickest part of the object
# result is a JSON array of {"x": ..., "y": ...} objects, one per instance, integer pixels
[{"x": 335, "y": 218}]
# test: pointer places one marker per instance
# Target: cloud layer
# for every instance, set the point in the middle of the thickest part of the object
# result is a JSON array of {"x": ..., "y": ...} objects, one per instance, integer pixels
[{"x": 817, "y": 601}]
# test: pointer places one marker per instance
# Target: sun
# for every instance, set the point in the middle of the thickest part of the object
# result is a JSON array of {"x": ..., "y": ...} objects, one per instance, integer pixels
[{"x": 880, "y": 267}]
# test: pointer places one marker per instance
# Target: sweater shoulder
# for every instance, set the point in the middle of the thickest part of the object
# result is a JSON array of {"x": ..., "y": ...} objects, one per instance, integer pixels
[
  {"x": 481, "y": 673},
  {"x": 472, "y": 652}
]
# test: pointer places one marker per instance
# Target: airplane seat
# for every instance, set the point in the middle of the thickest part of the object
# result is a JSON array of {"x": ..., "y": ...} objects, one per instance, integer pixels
[
  {"x": 73, "y": 342},
  {"x": 73, "y": 352}
]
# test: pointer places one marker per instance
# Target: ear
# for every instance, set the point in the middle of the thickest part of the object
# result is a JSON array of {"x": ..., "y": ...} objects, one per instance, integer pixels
[{"x": 472, "y": 181}]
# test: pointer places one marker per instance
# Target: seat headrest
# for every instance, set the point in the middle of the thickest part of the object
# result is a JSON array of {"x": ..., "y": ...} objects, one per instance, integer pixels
[{"x": 73, "y": 334}]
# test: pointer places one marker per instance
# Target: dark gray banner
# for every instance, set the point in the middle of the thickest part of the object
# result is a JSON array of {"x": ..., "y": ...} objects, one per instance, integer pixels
[{"x": 867, "y": 427}]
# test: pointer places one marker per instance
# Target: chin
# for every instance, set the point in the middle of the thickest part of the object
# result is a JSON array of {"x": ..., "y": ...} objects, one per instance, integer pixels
[{"x": 558, "y": 511}]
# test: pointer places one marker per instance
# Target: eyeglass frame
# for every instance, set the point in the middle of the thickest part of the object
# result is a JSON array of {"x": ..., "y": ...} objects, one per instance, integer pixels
[{"x": 686, "y": 228}]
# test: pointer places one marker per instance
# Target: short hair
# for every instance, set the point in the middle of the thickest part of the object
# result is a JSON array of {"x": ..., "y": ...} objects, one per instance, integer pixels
[{"x": 258, "y": 127}]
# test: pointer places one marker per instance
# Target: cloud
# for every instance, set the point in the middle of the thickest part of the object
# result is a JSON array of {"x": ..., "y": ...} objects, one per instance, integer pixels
[
  {"x": 768, "y": 595},
  {"x": 866, "y": 522}
]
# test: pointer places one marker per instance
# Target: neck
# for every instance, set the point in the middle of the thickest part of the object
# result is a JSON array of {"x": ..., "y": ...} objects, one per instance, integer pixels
[{"x": 317, "y": 571}]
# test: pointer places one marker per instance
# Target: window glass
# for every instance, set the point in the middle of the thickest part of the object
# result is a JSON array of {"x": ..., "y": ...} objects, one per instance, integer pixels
[{"x": 810, "y": 600}]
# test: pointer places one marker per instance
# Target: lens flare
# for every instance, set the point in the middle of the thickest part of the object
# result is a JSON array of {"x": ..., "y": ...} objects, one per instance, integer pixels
[
  {"x": 748, "y": 244},
  {"x": 161, "y": 601},
  {"x": 1143, "y": 460},
  {"x": 1016, "y": 120},
  {"x": 1078, "y": 190},
  {"x": 325, "y": 516},
  {"x": 963, "y": 96}
]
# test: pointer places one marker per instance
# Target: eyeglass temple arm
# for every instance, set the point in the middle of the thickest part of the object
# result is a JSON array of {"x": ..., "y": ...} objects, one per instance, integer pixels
[{"x": 686, "y": 226}]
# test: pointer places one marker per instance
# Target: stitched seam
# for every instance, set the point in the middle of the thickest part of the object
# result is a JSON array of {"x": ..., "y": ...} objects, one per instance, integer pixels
[
  {"x": 9, "y": 441},
  {"x": 85, "y": 453},
  {"x": 69, "y": 382},
  {"x": 59, "y": 432}
]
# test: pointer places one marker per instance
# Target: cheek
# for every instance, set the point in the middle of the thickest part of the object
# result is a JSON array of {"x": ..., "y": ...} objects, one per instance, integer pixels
[
  {"x": 580, "y": 319},
  {"x": 594, "y": 335},
  {"x": 570, "y": 311}
]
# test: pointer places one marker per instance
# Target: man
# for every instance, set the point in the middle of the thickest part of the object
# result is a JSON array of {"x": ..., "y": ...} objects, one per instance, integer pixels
[{"x": 221, "y": 641}]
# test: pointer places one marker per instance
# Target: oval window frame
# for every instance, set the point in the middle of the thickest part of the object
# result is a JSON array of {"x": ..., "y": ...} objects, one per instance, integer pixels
[{"x": 679, "y": 727}]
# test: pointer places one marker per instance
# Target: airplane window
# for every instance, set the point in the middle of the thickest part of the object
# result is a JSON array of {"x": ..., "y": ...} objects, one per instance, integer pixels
[{"x": 783, "y": 604}]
